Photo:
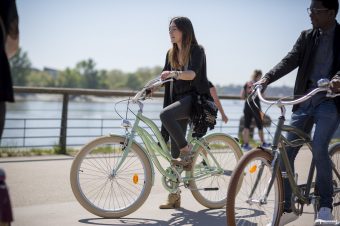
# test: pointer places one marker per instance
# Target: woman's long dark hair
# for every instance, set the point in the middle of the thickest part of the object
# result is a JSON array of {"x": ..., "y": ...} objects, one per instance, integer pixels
[{"x": 188, "y": 39}]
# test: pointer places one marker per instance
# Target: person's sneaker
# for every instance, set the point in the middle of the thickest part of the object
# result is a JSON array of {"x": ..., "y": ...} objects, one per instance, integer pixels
[
  {"x": 246, "y": 147},
  {"x": 265, "y": 145},
  {"x": 286, "y": 218},
  {"x": 325, "y": 217}
]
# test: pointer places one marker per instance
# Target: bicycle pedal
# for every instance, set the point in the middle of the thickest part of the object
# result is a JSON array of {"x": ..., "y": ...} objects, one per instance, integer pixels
[{"x": 210, "y": 189}]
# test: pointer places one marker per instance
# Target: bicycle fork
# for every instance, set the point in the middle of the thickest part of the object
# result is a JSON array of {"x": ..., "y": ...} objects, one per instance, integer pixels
[
  {"x": 274, "y": 168},
  {"x": 274, "y": 165}
]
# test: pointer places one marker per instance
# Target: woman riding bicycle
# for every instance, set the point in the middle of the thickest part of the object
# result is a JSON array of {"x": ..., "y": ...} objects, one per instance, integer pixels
[{"x": 186, "y": 63}]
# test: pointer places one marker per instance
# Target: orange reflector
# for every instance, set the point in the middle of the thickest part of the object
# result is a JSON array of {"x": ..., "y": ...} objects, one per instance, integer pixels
[
  {"x": 135, "y": 178},
  {"x": 252, "y": 169}
]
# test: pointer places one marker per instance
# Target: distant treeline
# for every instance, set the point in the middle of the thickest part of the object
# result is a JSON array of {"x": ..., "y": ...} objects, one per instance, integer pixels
[
  {"x": 86, "y": 75},
  {"x": 83, "y": 75}
]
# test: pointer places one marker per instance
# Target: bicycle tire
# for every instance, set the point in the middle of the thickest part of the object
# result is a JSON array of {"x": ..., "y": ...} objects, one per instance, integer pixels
[
  {"x": 334, "y": 152},
  {"x": 103, "y": 191},
  {"x": 245, "y": 209},
  {"x": 227, "y": 152}
]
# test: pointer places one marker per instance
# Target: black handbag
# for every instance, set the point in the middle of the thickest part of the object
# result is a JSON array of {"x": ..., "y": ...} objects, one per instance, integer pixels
[{"x": 204, "y": 114}]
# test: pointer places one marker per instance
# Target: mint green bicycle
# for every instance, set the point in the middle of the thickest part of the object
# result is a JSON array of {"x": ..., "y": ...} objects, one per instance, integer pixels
[{"x": 112, "y": 175}]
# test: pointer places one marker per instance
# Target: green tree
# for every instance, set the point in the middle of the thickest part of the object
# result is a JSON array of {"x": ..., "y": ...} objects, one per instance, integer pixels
[
  {"x": 115, "y": 79},
  {"x": 69, "y": 78},
  {"x": 141, "y": 76},
  {"x": 20, "y": 68},
  {"x": 133, "y": 82},
  {"x": 157, "y": 70},
  {"x": 87, "y": 70},
  {"x": 102, "y": 76},
  {"x": 40, "y": 79}
]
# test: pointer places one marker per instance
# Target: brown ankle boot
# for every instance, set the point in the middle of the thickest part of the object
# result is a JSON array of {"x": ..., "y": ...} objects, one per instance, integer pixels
[
  {"x": 186, "y": 158},
  {"x": 173, "y": 202}
]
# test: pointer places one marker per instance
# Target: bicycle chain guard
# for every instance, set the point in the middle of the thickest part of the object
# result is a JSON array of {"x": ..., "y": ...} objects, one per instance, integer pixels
[{"x": 171, "y": 185}]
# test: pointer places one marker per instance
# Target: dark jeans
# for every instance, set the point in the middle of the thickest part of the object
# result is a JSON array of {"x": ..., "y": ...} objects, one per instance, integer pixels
[
  {"x": 175, "y": 119},
  {"x": 326, "y": 120},
  {"x": 2, "y": 117}
]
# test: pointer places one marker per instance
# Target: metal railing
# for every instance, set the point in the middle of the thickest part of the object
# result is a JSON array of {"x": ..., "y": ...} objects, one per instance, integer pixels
[{"x": 24, "y": 134}]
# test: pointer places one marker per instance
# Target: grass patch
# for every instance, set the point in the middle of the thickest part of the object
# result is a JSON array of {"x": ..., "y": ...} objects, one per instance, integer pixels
[
  {"x": 13, "y": 152},
  {"x": 25, "y": 152}
]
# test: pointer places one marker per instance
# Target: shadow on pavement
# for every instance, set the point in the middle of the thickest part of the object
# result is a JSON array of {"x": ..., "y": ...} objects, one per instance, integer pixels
[{"x": 181, "y": 217}]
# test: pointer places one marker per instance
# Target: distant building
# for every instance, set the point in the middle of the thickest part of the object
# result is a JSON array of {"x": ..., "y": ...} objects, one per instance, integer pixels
[{"x": 51, "y": 71}]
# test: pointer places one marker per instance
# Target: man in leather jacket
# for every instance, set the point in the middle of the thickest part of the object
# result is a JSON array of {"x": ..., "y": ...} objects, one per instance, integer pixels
[{"x": 316, "y": 54}]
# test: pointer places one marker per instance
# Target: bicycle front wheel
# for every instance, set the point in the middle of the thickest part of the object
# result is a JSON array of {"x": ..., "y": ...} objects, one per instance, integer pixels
[
  {"x": 211, "y": 172},
  {"x": 334, "y": 152},
  {"x": 107, "y": 184},
  {"x": 246, "y": 201}
]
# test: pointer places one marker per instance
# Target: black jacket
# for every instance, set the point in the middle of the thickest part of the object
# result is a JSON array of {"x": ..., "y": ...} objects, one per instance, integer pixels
[
  {"x": 199, "y": 85},
  {"x": 301, "y": 56},
  {"x": 9, "y": 16}
]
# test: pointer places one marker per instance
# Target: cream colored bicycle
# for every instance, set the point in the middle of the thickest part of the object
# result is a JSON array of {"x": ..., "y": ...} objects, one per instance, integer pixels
[{"x": 112, "y": 175}]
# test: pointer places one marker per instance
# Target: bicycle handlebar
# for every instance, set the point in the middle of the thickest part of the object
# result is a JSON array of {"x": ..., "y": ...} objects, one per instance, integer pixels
[
  {"x": 154, "y": 83},
  {"x": 291, "y": 102},
  {"x": 323, "y": 86}
]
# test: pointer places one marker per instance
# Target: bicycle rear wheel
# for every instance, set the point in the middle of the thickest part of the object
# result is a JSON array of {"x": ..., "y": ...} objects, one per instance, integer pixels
[
  {"x": 104, "y": 190},
  {"x": 248, "y": 184},
  {"x": 211, "y": 178},
  {"x": 334, "y": 152}
]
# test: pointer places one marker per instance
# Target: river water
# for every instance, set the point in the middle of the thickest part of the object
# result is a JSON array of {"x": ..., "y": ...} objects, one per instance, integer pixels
[{"x": 35, "y": 121}]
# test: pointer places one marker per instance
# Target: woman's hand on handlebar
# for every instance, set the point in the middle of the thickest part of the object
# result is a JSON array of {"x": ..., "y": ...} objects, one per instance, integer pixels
[
  {"x": 168, "y": 74},
  {"x": 165, "y": 75}
]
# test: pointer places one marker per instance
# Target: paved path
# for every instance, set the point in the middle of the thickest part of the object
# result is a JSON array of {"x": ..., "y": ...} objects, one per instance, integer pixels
[{"x": 41, "y": 196}]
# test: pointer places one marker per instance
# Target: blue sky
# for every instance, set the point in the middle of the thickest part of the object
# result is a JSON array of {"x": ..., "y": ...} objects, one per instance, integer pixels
[{"x": 238, "y": 36}]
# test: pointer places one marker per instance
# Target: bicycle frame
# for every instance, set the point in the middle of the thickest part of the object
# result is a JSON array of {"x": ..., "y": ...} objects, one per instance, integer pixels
[
  {"x": 279, "y": 153},
  {"x": 153, "y": 147}
]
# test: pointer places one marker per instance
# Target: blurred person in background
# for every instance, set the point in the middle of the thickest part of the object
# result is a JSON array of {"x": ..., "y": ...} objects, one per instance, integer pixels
[
  {"x": 213, "y": 93},
  {"x": 252, "y": 110}
]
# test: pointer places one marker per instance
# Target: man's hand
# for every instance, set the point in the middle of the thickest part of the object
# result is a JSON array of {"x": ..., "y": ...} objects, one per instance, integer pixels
[
  {"x": 263, "y": 82},
  {"x": 335, "y": 84}
]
